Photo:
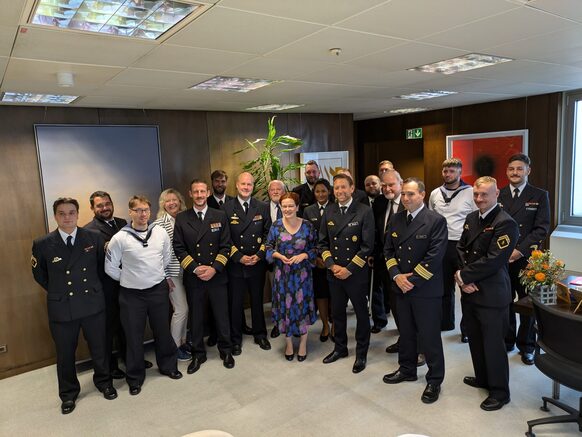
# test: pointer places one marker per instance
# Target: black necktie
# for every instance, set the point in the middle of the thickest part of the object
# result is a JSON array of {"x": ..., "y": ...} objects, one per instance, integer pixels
[
  {"x": 344, "y": 209},
  {"x": 279, "y": 213},
  {"x": 321, "y": 209},
  {"x": 112, "y": 224},
  {"x": 220, "y": 202},
  {"x": 246, "y": 206},
  {"x": 408, "y": 219},
  {"x": 70, "y": 242},
  {"x": 516, "y": 193},
  {"x": 481, "y": 220},
  {"x": 200, "y": 215}
]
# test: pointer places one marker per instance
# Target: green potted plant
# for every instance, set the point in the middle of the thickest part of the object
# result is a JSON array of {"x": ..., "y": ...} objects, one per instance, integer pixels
[{"x": 266, "y": 166}]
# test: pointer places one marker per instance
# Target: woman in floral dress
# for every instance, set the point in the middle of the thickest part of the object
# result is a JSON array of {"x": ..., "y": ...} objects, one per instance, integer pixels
[{"x": 291, "y": 247}]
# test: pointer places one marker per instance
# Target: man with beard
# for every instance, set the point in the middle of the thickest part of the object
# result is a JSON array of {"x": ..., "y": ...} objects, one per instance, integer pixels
[
  {"x": 372, "y": 186},
  {"x": 305, "y": 190},
  {"x": 219, "y": 179},
  {"x": 488, "y": 239},
  {"x": 529, "y": 206},
  {"x": 453, "y": 200}
]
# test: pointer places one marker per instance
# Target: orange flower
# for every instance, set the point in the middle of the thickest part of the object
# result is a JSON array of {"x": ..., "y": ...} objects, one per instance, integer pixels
[
  {"x": 536, "y": 254},
  {"x": 545, "y": 266},
  {"x": 530, "y": 273},
  {"x": 540, "y": 277},
  {"x": 560, "y": 263}
]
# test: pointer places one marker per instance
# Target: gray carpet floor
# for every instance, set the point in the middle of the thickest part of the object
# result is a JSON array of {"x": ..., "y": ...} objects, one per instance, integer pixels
[{"x": 264, "y": 395}]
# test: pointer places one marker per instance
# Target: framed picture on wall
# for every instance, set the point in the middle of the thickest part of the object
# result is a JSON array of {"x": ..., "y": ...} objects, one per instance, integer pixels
[
  {"x": 486, "y": 154},
  {"x": 329, "y": 163}
]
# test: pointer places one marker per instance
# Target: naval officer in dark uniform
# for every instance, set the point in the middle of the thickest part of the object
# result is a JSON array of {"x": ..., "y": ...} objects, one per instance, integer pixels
[
  {"x": 529, "y": 206},
  {"x": 202, "y": 244},
  {"x": 414, "y": 249},
  {"x": 68, "y": 264},
  {"x": 249, "y": 220},
  {"x": 219, "y": 179},
  {"x": 107, "y": 225},
  {"x": 346, "y": 240},
  {"x": 305, "y": 190},
  {"x": 488, "y": 239}
]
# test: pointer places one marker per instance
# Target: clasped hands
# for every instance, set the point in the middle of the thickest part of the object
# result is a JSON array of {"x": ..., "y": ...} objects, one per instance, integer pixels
[
  {"x": 340, "y": 272},
  {"x": 465, "y": 288},
  {"x": 205, "y": 273},
  {"x": 249, "y": 260},
  {"x": 296, "y": 259}
]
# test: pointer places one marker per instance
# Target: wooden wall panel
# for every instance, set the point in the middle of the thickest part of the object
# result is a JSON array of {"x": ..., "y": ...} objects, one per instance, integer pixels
[{"x": 192, "y": 144}]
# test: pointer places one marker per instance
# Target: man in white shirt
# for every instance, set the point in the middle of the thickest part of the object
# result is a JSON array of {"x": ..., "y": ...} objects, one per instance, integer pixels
[
  {"x": 144, "y": 251},
  {"x": 454, "y": 201},
  {"x": 275, "y": 190}
]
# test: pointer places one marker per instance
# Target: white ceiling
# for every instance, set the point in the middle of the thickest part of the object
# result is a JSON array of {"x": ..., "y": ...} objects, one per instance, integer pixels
[{"x": 289, "y": 41}]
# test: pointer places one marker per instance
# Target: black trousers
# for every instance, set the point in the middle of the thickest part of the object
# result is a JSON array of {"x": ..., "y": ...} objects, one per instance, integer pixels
[
  {"x": 356, "y": 290},
  {"x": 380, "y": 304},
  {"x": 237, "y": 288},
  {"x": 137, "y": 306},
  {"x": 420, "y": 322},
  {"x": 114, "y": 331},
  {"x": 450, "y": 266},
  {"x": 216, "y": 296},
  {"x": 66, "y": 337},
  {"x": 486, "y": 328},
  {"x": 526, "y": 334}
]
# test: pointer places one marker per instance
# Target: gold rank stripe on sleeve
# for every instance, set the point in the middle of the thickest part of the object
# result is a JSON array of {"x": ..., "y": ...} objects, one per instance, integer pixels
[
  {"x": 325, "y": 255},
  {"x": 233, "y": 249},
  {"x": 422, "y": 272},
  {"x": 391, "y": 263},
  {"x": 221, "y": 259},
  {"x": 358, "y": 261},
  {"x": 186, "y": 262}
]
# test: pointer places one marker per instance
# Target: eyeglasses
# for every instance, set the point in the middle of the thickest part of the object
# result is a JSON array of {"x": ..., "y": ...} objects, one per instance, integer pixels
[{"x": 141, "y": 211}]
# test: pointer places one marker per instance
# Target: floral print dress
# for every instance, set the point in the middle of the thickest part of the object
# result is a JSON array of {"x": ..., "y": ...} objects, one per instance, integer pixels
[{"x": 293, "y": 300}]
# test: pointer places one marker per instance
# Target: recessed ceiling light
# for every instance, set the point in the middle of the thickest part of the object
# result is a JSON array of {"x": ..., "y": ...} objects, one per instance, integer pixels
[
  {"x": 274, "y": 107},
  {"x": 147, "y": 19},
  {"x": 236, "y": 84},
  {"x": 9, "y": 97},
  {"x": 424, "y": 95},
  {"x": 405, "y": 110},
  {"x": 462, "y": 63}
]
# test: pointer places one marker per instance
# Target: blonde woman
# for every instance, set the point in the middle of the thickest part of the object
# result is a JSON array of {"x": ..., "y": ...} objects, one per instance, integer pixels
[{"x": 171, "y": 202}]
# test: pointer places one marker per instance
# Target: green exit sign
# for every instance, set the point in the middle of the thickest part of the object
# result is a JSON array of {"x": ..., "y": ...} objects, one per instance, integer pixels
[{"x": 414, "y": 134}]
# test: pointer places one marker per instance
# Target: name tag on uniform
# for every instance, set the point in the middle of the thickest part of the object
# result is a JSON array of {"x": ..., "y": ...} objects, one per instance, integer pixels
[
  {"x": 421, "y": 237},
  {"x": 88, "y": 248},
  {"x": 56, "y": 259},
  {"x": 257, "y": 217},
  {"x": 353, "y": 224},
  {"x": 215, "y": 226}
]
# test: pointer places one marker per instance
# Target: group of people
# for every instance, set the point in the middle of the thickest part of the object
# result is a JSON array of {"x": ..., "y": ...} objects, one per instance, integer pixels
[{"x": 318, "y": 246}]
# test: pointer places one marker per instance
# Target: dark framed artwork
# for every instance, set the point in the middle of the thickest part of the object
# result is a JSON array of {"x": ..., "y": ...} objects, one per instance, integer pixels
[{"x": 486, "y": 154}]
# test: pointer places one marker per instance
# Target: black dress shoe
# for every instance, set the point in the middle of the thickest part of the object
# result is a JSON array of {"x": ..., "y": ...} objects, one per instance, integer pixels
[
  {"x": 211, "y": 342},
  {"x": 509, "y": 347},
  {"x": 301, "y": 358},
  {"x": 398, "y": 377},
  {"x": 109, "y": 393},
  {"x": 289, "y": 357},
  {"x": 464, "y": 338},
  {"x": 117, "y": 373},
  {"x": 67, "y": 407},
  {"x": 275, "y": 332},
  {"x": 359, "y": 365},
  {"x": 420, "y": 360},
  {"x": 323, "y": 338},
  {"x": 527, "y": 358},
  {"x": 472, "y": 381},
  {"x": 227, "y": 360},
  {"x": 431, "y": 393},
  {"x": 147, "y": 364},
  {"x": 263, "y": 343},
  {"x": 236, "y": 349},
  {"x": 194, "y": 366},
  {"x": 334, "y": 356},
  {"x": 375, "y": 329},
  {"x": 393, "y": 348},
  {"x": 246, "y": 330},
  {"x": 174, "y": 374},
  {"x": 135, "y": 390},
  {"x": 492, "y": 404}
]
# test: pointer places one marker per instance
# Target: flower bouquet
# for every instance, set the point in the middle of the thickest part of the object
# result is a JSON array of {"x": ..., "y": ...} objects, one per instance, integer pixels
[{"x": 541, "y": 274}]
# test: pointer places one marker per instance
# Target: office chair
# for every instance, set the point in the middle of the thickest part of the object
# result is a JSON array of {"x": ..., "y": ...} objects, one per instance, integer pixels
[{"x": 558, "y": 355}]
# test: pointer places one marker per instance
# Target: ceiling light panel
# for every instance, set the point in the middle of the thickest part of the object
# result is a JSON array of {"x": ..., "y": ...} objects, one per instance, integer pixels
[
  {"x": 147, "y": 19},
  {"x": 462, "y": 63},
  {"x": 233, "y": 84},
  {"x": 405, "y": 110},
  {"x": 52, "y": 99},
  {"x": 274, "y": 107},
  {"x": 424, "y": 95}
]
